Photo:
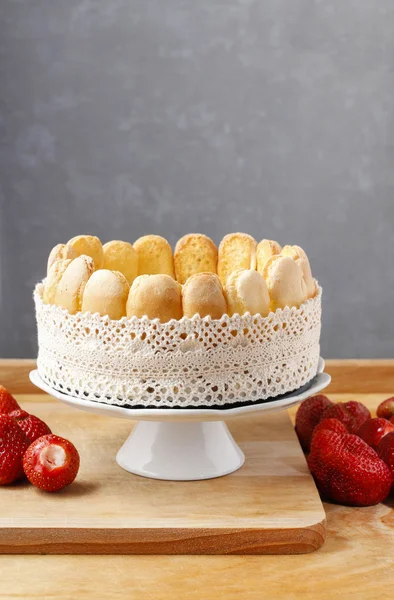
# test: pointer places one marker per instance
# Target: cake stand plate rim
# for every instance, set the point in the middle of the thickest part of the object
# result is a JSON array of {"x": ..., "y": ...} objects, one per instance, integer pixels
[{"x": 316, "y": 385}]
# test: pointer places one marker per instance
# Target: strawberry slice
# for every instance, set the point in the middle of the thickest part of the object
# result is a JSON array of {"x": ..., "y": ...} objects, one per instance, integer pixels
[
  {"x": 13, "y": 444},
  {"x": 7, "y": 402},
  {"x": 51, "y": 463},
  {"x": 32, "y": 426}
]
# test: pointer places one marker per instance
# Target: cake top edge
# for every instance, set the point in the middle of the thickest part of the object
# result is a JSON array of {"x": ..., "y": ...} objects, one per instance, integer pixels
[{"x": 225, "y": 318}]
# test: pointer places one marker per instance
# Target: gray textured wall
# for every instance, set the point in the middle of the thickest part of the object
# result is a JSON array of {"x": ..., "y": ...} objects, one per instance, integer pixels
[{"x": 166, "y": 116}]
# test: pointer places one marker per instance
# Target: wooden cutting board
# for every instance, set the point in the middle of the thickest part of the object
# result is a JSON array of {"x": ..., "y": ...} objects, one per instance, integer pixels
[{"x": 269, "y": 506}]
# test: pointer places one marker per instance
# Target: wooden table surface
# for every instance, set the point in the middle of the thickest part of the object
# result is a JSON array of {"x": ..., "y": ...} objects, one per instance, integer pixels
[{"x": 355, "y": 563}]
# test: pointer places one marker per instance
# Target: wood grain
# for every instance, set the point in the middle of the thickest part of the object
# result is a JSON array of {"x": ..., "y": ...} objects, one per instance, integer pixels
[
  {"x": 348, "y": 376},
  {"x": 14, "y": 375},
  {"x": 269, "y": 506},
  {"x": 361, "y": 376},
  {"x": 356, "y": 562}
]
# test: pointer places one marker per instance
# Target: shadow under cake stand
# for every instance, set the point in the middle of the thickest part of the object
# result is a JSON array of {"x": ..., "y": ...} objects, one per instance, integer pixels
[{"x": 184, "y": 444}]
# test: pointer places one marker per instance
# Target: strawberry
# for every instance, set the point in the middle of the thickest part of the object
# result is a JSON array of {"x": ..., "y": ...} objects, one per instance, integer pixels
[
  {"x": 13, "y": 444},
  {"x": 30, "y": 424},
  {"x": 374, "y": 430},
  {"x": 308, "y": 416},
  {"x": 385, "y": 409},
  {"x": 7, "y": 402},
  {"x": 338, "y": 411},
  {"x": 359, "y": 414},
  {"x": 332, "y": 425},
  {"x": 347, "y": 470},
  {"x": 51, "y": 463},
  {"x": 352, "y": 414},
  {"x": 386, "y": 453}
]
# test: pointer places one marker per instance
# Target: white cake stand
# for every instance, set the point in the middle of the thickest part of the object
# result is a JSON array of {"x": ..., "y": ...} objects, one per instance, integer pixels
[{"x": 183, "y": 444}]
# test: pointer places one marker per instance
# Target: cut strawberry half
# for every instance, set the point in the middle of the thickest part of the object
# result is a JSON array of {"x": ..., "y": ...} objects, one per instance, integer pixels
[{"x": 51, "y": 463}]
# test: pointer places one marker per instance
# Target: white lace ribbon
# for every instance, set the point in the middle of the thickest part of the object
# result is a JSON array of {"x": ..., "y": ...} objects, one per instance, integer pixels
[{"x": 192, "y": 362}]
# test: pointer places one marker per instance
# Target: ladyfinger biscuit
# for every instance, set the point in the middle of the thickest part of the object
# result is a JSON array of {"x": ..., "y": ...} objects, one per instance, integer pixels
[
  {"x": 285, "y": 282},
  {"x": 194, "y": 253},
  {"x": 106, "y": 293},
  {"x": 60, "y": 252},
  {"x": 300, "y": 257},
  {"x": 69, "y": 292},
  {"x": 53, "y": 278},
  {"x": 202, "y": 294},
  {"x": 121, "y": 256},
  {"x": 236, "y": 251},
  {"x": 156, "y": 296},
  {"x": 89, "y": 245},
  {"x": 246, "y": 291},
  {"x": 266, "y": 249},
  {"x": 154, "y": 256}
]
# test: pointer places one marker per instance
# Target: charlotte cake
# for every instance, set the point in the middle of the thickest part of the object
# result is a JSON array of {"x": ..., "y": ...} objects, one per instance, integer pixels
[{"x": 194, "y": 342}]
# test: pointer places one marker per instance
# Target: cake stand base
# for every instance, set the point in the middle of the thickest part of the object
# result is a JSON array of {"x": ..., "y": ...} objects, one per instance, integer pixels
[{"x": 180, "y": 451}]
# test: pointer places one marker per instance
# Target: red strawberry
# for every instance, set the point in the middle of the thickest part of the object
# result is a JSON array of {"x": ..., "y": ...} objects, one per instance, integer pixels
[
  {"x": 386, "y": 453},
  {"x": 347, "y": 470},
  {"x": 30, "y": 424},
  {"x": 13, "y": 444},
  {"x": 359, "y": 414},
  {"x": 51, "y": 463},
  {"x": 338, "y": 411},
  {"x": 332, "y": 425},
  {"x": 374, "y": 430},
  {"x": 392, "y": 419},
  {"x": 308, "y": 416},
  {"x": 7, "y": 402},
  {"x": 385, "y": 409},
  {"x": 352, "y": 414}
]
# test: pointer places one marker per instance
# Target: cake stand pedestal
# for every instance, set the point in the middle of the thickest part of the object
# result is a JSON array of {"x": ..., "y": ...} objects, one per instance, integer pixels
[
  {"x": 183, "y": 444},
  {"x": 180, "y": 450}
]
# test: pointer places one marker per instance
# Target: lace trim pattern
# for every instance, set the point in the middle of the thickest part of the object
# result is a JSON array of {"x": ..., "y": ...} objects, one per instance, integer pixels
[{"x": 192, "y": 362}]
